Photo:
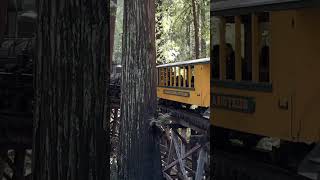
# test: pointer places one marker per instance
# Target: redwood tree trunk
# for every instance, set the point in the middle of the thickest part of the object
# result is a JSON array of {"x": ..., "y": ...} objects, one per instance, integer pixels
[
  {"x": 71, "y": 76},
  {"x": 203, "y": 28},
  {"x": 196, "y": 28},
  {"x": 139, "y": 148},
  {"x": 3, "y": 17},
  {"x": 113, "y": 17}
]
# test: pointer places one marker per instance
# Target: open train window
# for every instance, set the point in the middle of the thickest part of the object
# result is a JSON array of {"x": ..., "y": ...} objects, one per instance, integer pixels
[
  {"x": 181, "y": 76},
  {"x": 264, "y": 54},
  {"x": 177, "y": 76},
  {"x": 215, "y": 41},
  {"x": 172, "y": 76},
  {"x": 161, "y": 77},
  {"x": 192, "y": 76},
  {"x": 186, "y": 72},
  {"x": 229, "y": 48},
  {"x": 246, "y": 48}
]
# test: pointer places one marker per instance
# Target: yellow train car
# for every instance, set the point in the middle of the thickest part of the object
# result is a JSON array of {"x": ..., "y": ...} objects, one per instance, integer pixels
[
  {"x": 186, "y": 82},
  {"x": 265, "y": 62}
]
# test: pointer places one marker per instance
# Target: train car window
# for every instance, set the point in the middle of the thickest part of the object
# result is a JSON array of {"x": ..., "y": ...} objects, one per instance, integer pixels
[
  {"x": 172, "y": 76},
  {"x": 192, "y": 77},
  {"x": 264, "y": 55},
  {"x": 177, "y": 76},
  {"x": 186, "y": 76},
  {"x": 181, "y": 74},
  {"x": 230, "y": 44},
  {"x": 161, "y": 76},
  {"x": 246, "y": 45},
  {"x": 215, "y": 39}
]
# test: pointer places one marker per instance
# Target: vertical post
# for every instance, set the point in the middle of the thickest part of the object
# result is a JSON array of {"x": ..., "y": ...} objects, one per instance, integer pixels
[
  {"x": 255, "y": 47},
  {"x": 179, "y": 77},
  {"x": 189, "y": 75},
  {"x": 169, "y": 75},
  {"x": 184, "y": 76},
  {"x": 238, "y": 48},
  {"x": 166, "y": 77},
  {"x": 175, "y": 77},
  {"x": 222, "y": 49},
  {"x": 183, "y": 147},
  {"x": 200, "y": 162}
]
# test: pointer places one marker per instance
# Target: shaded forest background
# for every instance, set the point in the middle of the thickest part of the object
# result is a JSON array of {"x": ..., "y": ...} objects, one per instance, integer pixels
[{"x": 176, "y": 34}]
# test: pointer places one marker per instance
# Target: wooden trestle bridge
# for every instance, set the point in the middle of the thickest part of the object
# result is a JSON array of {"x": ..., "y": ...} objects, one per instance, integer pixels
[{"x": 185, "y": 144}]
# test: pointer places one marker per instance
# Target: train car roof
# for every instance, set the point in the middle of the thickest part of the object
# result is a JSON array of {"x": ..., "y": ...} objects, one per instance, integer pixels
[
  {"x": 259, "y": 5},
  {"x": 195, "y": 61}
]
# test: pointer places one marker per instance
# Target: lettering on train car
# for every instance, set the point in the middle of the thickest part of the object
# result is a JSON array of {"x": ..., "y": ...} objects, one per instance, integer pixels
[
  {"x": 234, "y": 103},
  {"x": 177, "y": 93}
]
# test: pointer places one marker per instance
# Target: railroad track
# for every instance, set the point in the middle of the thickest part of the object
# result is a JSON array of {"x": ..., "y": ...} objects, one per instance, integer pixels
[{"x": 186, "y": 118}]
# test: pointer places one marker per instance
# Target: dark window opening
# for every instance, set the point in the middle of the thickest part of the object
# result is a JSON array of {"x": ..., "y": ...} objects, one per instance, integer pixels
[
  {"x": 192, "y": 76},
  {"x": 215, "y": 41},
  {"x": 229, "y": 51},
  {"x": 181, "y": 72},
  {"x": 177, "y": 76},
  {"x": 246, "y": 44},
  {"x": 264, "y": 58},
  {"x": 186, "y": 76},
  {"x": 215, "y": 71},
  {"x": 172, "y": 75}
]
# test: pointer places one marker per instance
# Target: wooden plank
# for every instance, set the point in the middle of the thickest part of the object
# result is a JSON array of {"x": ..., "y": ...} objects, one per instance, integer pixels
[
  {"x": 181, "y": 163},
  {"x": 175, "y": 77},
  {"x": 167, "y": 176},
  {"x": 255, "y": 47},
  {"x": 194, "y": 149},
  {"x": 183, "y": 137},
  {"x": 200, "y": 165},
  {"x": 238, "y": 48},
  {"x": 179, "y": 77},
  {"x": 170, "y": 147},
  {"x": 189, "y": 75},
  {"x": 222, "y": 49}
]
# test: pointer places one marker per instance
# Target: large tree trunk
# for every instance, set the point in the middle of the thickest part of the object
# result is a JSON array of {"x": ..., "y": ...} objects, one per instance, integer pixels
[
  {"x": 113, "y": 17},
  {"x": 139, "y": 148},
  {"x": 71, "y": 77},
  {"x": 203, "y": 28},
  {"x": 3, "y": 17},
  {"x": 196, "y": 28},
  {"x": 159, "y": 32}
]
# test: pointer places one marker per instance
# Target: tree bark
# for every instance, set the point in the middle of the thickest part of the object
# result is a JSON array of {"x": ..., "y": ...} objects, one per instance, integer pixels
[
  {"x": 113, "y": 17},
  {"x": 139, "y": 148},
  {"x": 19, "y": 159},
  {"x": 71, "y": 74},
  {"x": 196, "y": 28},
  {"x": 203, "y": 28},
  {"x": 3, "y": 17}
]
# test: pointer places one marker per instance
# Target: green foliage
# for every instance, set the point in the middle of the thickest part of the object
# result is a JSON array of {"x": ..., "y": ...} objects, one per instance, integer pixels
[
  {"x": 174, "y": 30},
  {"x": 176, "y": 42}
]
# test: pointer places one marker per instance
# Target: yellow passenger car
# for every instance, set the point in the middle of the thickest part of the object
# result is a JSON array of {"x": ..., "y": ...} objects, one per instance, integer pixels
[
  {"x": 265, "y": 81},
  {"x": 186, "y": 82}
]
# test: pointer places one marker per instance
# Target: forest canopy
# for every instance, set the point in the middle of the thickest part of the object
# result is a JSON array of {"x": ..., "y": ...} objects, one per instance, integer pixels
[{"x": 176, "y": 34}]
